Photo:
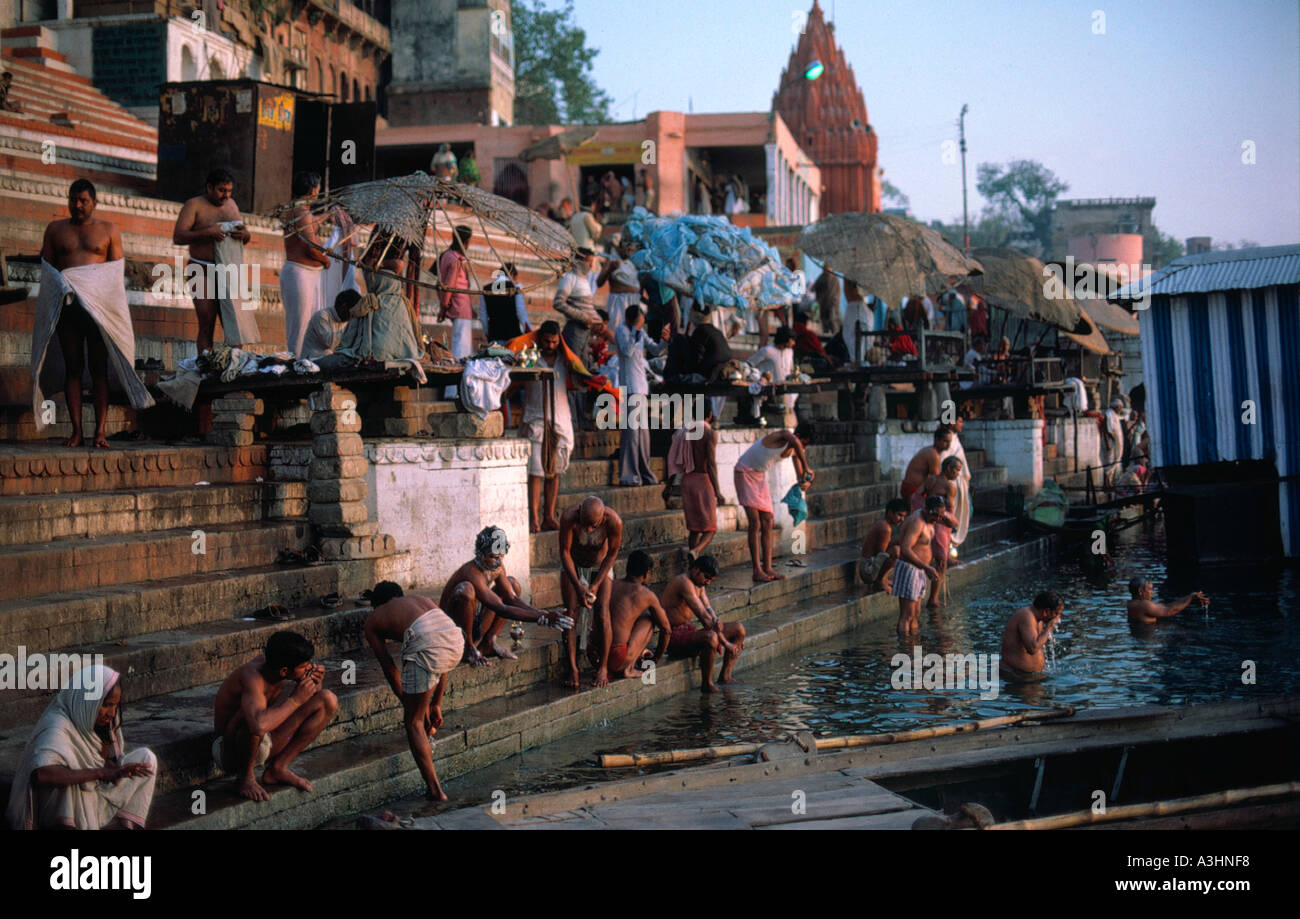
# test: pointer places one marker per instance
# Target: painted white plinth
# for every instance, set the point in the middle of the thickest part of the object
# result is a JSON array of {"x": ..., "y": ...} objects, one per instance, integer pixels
[
  {"x": 434, "y": 497},
  {"x": 1060, "y": 431},
  {"x": 1015, "y": 444}
]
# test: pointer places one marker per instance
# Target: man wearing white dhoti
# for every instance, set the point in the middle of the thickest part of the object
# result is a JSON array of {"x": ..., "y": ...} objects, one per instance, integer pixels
[
  {"x": 961, "y": 503},
  {"x": 75, "y": 772},
  {"x": 302, "y": 277},
  {"x": 83, "y": 300}
]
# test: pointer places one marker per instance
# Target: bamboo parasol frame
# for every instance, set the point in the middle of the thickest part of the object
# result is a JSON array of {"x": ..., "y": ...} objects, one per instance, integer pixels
[{"x": 417, "y": 210}]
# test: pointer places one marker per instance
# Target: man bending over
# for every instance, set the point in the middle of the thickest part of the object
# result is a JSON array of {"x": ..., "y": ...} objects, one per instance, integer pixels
[{"x": 684, "y": 600}]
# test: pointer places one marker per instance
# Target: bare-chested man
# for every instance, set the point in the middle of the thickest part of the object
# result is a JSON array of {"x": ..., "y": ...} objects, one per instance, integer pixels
[
  {"x": 302, "y": 290},
  {"x": 590, "y": 536},
  {"x": 685, "y": 600},
  {"x": 82, "y": 239},
  {"x": 879, "y": 548},
  {"x": 1142, "y": 610},
  {"x": 1027, "y": 631},
  {"x": 914, "y": 563},
  {"x": 258, "y": 722},
  {"x": 943, "y": 485},
  {"x": 431, "y": 647},
  {"x": 634, "y": 612},
  {"x": 199, "y": 226},
  {"x": 924, "y": 465},
  {"x": 480, "y": 596}
]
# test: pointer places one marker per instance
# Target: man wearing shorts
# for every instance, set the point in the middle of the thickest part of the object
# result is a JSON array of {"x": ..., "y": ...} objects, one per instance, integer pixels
[
  {"x": 634, "y": 612},
  {"x": 684, "y": 600},
  {"x": 913, "y": 568}
]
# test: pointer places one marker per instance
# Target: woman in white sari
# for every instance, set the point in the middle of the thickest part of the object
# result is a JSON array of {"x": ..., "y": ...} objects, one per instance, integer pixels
[{"x": 73, "y": 774}]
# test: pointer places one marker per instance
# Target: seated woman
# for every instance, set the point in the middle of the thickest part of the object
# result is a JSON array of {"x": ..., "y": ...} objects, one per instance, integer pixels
[{"x": 73, "y": 774}]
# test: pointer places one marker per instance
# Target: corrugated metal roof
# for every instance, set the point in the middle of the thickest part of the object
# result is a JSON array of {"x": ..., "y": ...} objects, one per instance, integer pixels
[{"x": 1234, "y": 269}]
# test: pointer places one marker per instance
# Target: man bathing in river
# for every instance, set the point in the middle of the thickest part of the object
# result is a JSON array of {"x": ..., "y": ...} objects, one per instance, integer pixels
[
  {"x": 944, "y": 485},
  {"x": 880, "y": 548},
  {"x": 480, "y": 597},
  {"x": 915, "y": 550},
  {"x": 634, "y": 612},
  {"x": 1142, "y": 610},
  {"x": 684, "y": 600},
  {"x": 925, "y": 463},
  {"x": 590, "y": 536},
  {"x": 1027, "y": 631},
  {"x": 431, "y": 647},
  {"x": 258, "y": 722}
]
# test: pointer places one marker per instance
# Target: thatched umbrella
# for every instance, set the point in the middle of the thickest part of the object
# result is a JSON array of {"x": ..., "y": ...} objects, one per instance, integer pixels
[
  {"x": 1109, "y": 316},
  {"x": 558, "y": 146},
  {"x": 1092, "y": 340},
  {"x": 1015, "y": 281},
  {"x": 421, "y": 210},
  {"x": 887, "y": 255}
]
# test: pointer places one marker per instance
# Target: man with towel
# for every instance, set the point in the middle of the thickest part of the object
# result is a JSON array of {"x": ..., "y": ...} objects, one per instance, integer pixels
[
  {"x": 694, "y": 454},
  {"x": 83, "y": 301},
  {"x": 75, "y": 772},
  {"x": 590, "y": 537},
  {"x": 211, "y": 226},
  {"x": 302, "y": 281}
]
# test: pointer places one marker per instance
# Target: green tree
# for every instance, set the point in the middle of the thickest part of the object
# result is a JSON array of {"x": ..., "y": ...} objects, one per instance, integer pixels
[
  {"x": 1167, "y": 248},
  {"x": 889, "y": 192},
  {"x": 553, "y": 82},
  {"x": 1022, "y": 192}
]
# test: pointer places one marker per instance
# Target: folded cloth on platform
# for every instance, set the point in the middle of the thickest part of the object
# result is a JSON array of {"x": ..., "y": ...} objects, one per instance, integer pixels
[
  {"x": 305, "y": 365},
  {"x": 481, "y": 386},
  {"x": 101, "y": 292},
  {"x": 238, "y": 326},
  {"x": 239, "y": 361}
]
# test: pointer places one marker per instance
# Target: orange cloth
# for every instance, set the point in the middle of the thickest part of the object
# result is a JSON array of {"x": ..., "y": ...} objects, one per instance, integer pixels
[{"x": 577, "y": 369}]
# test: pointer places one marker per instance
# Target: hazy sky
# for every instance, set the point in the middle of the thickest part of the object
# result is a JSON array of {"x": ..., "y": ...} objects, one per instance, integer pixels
[{"x": 1159, "y": 105}]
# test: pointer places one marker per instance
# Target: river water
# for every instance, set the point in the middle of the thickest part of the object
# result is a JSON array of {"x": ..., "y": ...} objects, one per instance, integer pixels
[{"x": 846, "y": 685}]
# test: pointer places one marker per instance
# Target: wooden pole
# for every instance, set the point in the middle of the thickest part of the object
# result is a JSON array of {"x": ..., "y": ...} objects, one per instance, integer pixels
[
  {"x": 1154, "y": 808},
  {"x": 695, "y": 754}
]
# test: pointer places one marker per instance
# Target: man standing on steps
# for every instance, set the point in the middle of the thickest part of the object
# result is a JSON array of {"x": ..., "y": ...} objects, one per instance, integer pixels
[
  {"x": 590, "y": 536},
  {"x": 943, "y": 485},
  {"x": 83, "y": 302},
  {"x": 753, "y": 495},
  {"x": 684, "y": 601},
  {"x": 204, "y": 221},
  {"x": 961, "y": 506},
  {"x": 634, "y": 612},
  {"x": 694, "y": 454},
  {"x": 913, "y": 566},
  {"x": 925, "y": 463},
  {"x": 431, "y": 648},
  {"x": 480, "y": 597},
  {"x": 454, "y": 302},
  {"x": 257, "y": 722},
  {"x": 302, "y": 283}
]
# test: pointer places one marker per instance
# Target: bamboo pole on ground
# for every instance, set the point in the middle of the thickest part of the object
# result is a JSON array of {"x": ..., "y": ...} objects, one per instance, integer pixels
[
  {"x": 695, "y": 754},
  {"x": 1154, "y": 808}
]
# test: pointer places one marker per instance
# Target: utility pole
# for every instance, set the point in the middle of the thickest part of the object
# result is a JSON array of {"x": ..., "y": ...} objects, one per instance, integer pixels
[{"x": 966, "y": 228}]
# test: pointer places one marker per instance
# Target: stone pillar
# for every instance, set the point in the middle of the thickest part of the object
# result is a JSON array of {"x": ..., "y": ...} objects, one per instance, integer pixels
[{"x": 234, "y": 416}]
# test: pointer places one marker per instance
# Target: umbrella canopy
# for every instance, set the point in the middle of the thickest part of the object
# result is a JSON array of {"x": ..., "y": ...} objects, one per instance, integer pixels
[
  {"x": 1015, "y": 281},
  {"x": 1109, "y": 316},
  {"x": 422, "y": 210},
  {"x": 1092, "y": 340},
  {"x": 887, "y": 255},
  {"x": 558, "y": 146}
]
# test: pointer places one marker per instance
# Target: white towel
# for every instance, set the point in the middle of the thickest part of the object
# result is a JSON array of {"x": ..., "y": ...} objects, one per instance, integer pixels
[
  {"x": 101, "y": 290},
  {"x": 302, "y": 290},
  {"x": 481, "y": 385},
  {"x": 238, "y": 325}
]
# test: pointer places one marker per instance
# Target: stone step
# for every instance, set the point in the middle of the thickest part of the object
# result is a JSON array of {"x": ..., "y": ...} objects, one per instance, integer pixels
[
  {"x": 586, "y": 474},
  {"x": 38, "y": 469},
  {"x": 365, "y": 770},
  {"x": 648, "y": 528},
  {"x": 28, "y": 572},
  {"x": 42, "y": 518}
]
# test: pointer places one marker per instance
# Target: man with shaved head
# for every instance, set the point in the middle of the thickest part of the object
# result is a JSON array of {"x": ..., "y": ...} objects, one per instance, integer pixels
[{"x": 590, "y": 537}]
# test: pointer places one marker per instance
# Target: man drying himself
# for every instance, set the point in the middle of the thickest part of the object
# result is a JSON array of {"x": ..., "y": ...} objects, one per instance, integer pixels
[
  {"x": 925, "y": 463},
  {"x": 694, "y": 454},
  {"x": 431, "y": 647},
  {"x": 684, "y": 600},
  {"x": 634, "y": 612},
  {"x": 754, "y": 496},
  {"x": 1142, "y": 610},
  {"x": 82, "y": 301},
  {"x": 944, "y": 485},
  {"x": 258, "y": 722},
  {"x": 200, "y": 226},
  {"x": 302, "y": 282},
  {"x": 590, "y": 536},
  {"x": 1028, "y": 629},
  {"x": 480, "y": 596},
  {"x": 879, "y": 548},
  {"x": 914, "y": 563}
]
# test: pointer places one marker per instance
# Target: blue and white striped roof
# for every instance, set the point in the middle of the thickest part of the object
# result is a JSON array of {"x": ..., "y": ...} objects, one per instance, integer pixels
[{"x": 1207, "y": 272}]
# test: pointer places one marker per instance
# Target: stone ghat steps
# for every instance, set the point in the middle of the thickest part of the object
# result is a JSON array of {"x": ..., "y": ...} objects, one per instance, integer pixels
[
  {"x": 27, "y": 572},
  {"x": 47, "y": 468},
  {"x": 18, "y": 421},
  {"x": 44, "y": 93},
  {"x": 42, "y": 518},
  {"x": 365, "y": 770}
]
